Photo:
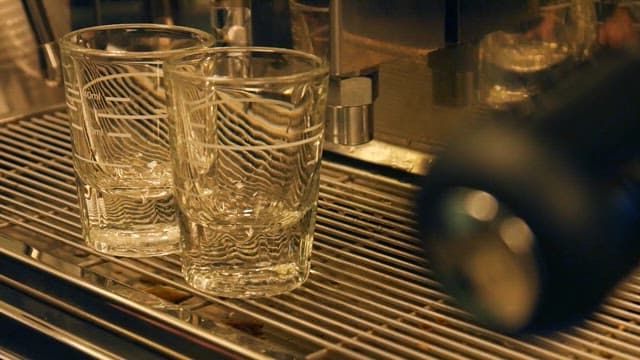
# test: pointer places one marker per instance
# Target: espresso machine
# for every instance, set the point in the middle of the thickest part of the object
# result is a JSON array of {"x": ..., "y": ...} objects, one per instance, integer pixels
[{"x": 407, "y": 89}]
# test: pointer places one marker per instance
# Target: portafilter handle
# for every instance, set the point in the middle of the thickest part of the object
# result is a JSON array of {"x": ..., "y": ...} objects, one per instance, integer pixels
[{"x": 530, "y": 221}]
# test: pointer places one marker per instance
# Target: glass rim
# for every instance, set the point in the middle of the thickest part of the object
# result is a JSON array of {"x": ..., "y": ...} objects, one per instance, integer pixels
[
  {"x": 65, "y": 42},
  {"x": 321, "y": 66}
]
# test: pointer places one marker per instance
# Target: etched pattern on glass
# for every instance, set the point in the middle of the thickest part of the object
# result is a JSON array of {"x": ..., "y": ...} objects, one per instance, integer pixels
[
  {"x": 121, "y": 151},
  {"x": 247, "y": 170}
]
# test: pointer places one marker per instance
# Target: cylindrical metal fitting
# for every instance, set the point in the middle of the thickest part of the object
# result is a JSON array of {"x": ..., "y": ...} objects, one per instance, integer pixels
[{"x": 349, "y": 125}]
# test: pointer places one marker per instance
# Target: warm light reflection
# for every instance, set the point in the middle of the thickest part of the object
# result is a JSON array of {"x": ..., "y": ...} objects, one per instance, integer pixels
[
  {"x": 481, "y": 205},
  {"x": 515, "y": 233}
]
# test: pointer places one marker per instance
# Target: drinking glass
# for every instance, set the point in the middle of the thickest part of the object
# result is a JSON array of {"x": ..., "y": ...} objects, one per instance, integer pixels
[
  {"x": 514, "y": 66},
  {"x": 246, "y": 127},
  {"x": 116, "y": 102}
]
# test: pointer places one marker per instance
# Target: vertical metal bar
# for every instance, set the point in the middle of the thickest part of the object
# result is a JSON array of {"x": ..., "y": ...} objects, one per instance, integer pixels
[{"x": 335, "y": 36}]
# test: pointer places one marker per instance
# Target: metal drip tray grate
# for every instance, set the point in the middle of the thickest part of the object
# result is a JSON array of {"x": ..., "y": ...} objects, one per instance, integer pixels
[{"x": 370, "y": 293}]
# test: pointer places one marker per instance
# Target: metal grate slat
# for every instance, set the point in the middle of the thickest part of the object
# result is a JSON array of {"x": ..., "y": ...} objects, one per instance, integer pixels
[
  {"x": 18, "y": 180},
  {"x": 28, "y": 130},
  {"x": 432, "y": 318},
  {"x": 357, "y": 246},
  {"x": 399, "y": 219},
  {"x": 370, "y": 292},
  {"x": 594, "y": 346},
  {"x": 371, "y": 275},
  {"x": 26, "y": 140},
  {"x": 42, "y": 173}
]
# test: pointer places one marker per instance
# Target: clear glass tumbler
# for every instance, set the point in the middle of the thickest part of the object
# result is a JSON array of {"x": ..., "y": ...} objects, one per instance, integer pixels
[
  {"x": 246, "y": 128},
  {"x": 514, "y": 66},
  {"x": 116, "y": 101}
]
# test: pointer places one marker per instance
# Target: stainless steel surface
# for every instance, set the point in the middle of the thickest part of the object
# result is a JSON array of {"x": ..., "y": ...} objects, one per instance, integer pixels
[
  {"x": 28, "y": 30},
  {"x": 20, "y": 94},
  {"x": 46, "y": 39},
  {"x": 58, "y": 333},
  {"x": 404, "y": 106},
  {"x": 370, "y": 294},
  {"x": 361, "y": 37},
  {"x": 22, "y": 89},
  {"x": 364, "y": 35},
  {"x": 349, "y": 125},
  {"x": 387, "y": 154},
  {"x": 18, "y": 49},
  {"x": 349, "y": 114}
]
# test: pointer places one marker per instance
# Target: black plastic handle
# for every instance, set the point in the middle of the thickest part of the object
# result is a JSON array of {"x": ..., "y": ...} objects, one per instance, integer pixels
[{"x": 562, "y": 170}]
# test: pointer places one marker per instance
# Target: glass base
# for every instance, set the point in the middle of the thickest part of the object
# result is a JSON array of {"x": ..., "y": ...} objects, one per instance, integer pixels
[
  {"x": 242, "y": 283},
  {"x": 161, "y": 239}
]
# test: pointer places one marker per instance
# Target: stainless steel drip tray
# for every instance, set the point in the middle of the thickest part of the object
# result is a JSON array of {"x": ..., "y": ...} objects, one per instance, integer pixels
[{"x": 370, "y": 293}]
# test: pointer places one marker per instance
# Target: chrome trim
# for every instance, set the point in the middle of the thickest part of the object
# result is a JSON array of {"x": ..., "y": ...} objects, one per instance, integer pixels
[
  {"x": 382, "y": 153},
  {"x": 349, "y": 125},
  {"x": 55, "y": 332}
]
